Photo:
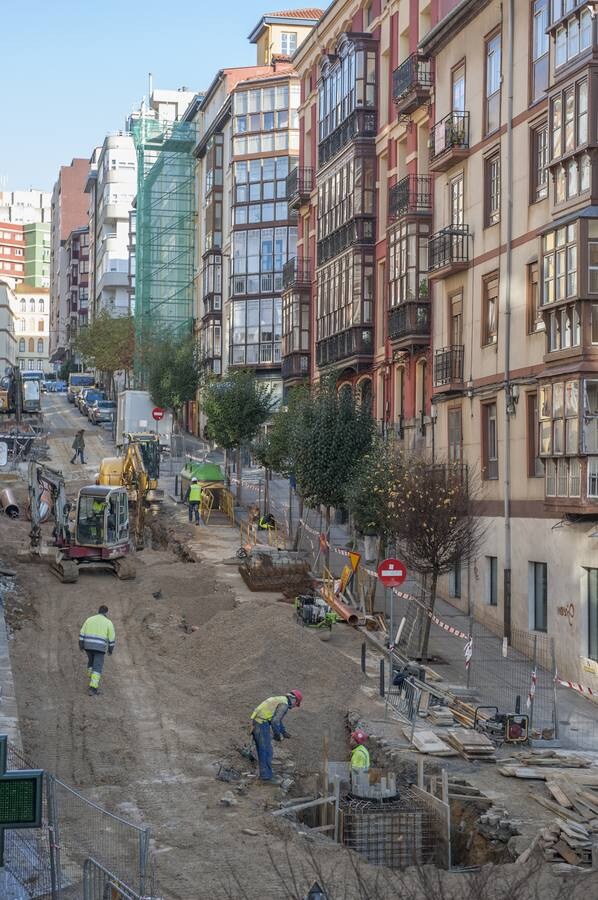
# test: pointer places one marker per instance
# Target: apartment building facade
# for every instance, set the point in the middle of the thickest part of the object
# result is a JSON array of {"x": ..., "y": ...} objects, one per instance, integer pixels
[
  {"x": 246, "y": 233},
  {"x": 25, "y": 207},
  {"x": 31, "y": 315},
  {"x": 69, "y": 211},
  {"x": 36, "y": 239},
  {"x": 8, "y": 340},
  {"x": 111, "y": 185},
  {"x": 12, "y": 251},
  {"x": 446, "y": 271}
]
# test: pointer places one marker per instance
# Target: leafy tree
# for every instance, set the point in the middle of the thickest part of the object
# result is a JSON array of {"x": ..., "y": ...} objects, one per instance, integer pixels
[
  {"x": 367, "y": 491},
  {"x": 431, "y": 517},
  {"x": 109, "y": 344},
  {"x": 173, "y": 372},
  {"x": 236, "y": 407},
  {"x": 331, "y": 434}
]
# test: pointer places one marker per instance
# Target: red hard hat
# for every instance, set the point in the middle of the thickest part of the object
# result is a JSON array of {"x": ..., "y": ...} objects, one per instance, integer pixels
[
  {"x": 297, "y": 695},
  {"x": 360, "y": 737}
]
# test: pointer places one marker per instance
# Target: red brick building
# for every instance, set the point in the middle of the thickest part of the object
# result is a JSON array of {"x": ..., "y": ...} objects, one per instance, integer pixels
[{"x": 12, "y": 251}]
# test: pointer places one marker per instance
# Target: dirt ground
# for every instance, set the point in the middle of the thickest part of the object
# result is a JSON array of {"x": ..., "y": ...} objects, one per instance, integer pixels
[{"x": 175, "y": 703}]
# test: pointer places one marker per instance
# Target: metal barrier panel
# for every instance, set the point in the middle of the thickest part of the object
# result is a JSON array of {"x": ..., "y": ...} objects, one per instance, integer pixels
[
  {"x": 100, "y": 884},
  {"x": 85, "y": 830},
  {"x": 502, "y": 676},
  {"x": 29, "y": 852}
]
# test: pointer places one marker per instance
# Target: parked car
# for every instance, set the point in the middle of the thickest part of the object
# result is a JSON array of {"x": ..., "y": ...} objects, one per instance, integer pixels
[
  {"x": 80, "y": 397},
  {"x": 60, "y": 387},
  {"x": 88, "y": 398},
  {"x": 101, "y": 411}
]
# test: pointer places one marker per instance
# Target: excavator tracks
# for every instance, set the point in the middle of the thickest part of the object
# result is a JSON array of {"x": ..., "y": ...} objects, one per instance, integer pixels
[
  {"x": 125, "y": 568},
  {"x": 66, "y": 570}
]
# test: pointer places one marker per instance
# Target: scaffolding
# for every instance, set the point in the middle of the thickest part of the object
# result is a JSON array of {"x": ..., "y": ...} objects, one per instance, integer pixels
[{"x": 164, "y": 263}]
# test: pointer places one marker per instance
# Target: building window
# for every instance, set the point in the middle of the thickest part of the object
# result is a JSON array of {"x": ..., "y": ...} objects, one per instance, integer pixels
[
  {"x": 40, "y": 345},
  {"x": 455, "y": 435},
  {"x": 492, "y": 580},
  {"x": 22, "y": 345},
  {"x": 538, "y": 595},
  {"x": 559, "y": 264},
  {"x": 40, "y": 306},
  {"x": 489, "y": 442},
  {"x": 493, "y": 76},
  {"x": 40, "y": 325},
  {"x": 23, "y": 306},
  {"x": 569, "y": 119},
  {"x": 490, "y": 309},
  {"x": 455, "y": 580},
  {"x": 564, "y": 328},
  {"x": 592, "y": 579},
  {"x": 573, "y": 36},
  {"x": 408, "y": 262},
  {"x": 593, "y": 476},
  {"x": 288, "y": 42},
  {"x": 540, "y": 48},
  {"x": 590, "y": 416},
  {"x": 534, "y": 316},
  {"x": 492, "y": 189},
  {"x": 456, "y": 200},
  {"x": 535, "y": 468},
  {"x": 458, "y": 89},
  {"x": 31, "y": 346},
  {"x": 539, "y": 145},
  {"x": 259, "y": 192}
]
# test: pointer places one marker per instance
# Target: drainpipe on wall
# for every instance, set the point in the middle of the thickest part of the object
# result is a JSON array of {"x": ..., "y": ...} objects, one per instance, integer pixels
[{"x": 507, "y": 384}]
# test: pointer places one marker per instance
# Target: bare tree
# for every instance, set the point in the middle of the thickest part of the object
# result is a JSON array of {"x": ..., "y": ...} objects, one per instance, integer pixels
[{"x": 433, "y": 522}]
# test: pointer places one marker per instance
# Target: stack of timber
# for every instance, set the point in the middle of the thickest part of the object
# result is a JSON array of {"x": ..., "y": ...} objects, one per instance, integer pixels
[
  {"x": 570, "y": 837},
  {"x": 471, "y": 744},
  {"x": 441, "y": 715},
  {"x": 542, "y": 765},
  {"x": 426, "y": 741}
]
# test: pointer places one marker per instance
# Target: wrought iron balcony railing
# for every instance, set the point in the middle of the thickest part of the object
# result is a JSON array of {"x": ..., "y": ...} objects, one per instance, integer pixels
[
  {"x": 297, "y": 273},
  {"x": 449, "y": 247},
  {"x": 448, "y": 365},
  {"x": 300, "y": 183},
  {"x": 410, "y": 320},
  {"x": 296, "y": 365},
  {"x": 450, "y": 134},
  {"x": 413, "y": 194},
  {"x": 415, "y": 76},
  {"x": 356, "y": 341}
]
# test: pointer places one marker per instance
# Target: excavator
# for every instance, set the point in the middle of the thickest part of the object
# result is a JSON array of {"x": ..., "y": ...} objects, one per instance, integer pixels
[
  {"x": 99, "y": 536},
  {"x": 137, "y": 470}
]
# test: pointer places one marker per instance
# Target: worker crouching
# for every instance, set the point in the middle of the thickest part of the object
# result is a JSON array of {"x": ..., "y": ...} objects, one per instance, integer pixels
[
  {"x": 267, "y": 722},
  {"x": 360, "y": 755},
  {"x": 97, "y": 637}
]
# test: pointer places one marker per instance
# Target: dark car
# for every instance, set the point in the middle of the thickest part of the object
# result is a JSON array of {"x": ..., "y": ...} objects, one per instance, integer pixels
[
  {"x": 88, "y": 398},
  {"x": 101, "y": 411}
]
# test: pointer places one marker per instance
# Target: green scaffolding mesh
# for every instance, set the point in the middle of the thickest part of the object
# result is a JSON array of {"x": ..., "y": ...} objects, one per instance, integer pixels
[{"x": 165, "y": 231}]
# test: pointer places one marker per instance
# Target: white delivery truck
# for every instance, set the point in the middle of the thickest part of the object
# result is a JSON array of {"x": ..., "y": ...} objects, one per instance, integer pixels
[{"x": 134, "y": 416}]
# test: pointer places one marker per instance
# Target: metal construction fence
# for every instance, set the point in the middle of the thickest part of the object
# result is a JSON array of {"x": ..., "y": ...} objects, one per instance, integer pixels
[{"x": 78, "y": 839}]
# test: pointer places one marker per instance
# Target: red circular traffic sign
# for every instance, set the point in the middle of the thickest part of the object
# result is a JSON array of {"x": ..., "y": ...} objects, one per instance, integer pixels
[
  {"x": 157, "y": 413},
  {"x": 392, "y": 572}
]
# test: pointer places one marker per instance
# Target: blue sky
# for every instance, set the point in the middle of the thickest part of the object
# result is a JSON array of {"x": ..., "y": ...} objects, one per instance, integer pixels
[{"x": 72, "y": 70}]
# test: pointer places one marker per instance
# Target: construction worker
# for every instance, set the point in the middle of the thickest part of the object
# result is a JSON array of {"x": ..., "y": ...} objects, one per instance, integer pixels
[
  {"x": 78, "y": 446},
  {"x": 360, "y": 755},
  {"x": 267, "y": 522},
  {"x": 267, "y": 722},
  {"x": 97, "y": 637},
  {"x": 193, "y": 498}
]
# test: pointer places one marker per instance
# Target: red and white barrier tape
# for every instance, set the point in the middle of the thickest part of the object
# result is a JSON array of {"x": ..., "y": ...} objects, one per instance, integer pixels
[{"x": 580, "y": 688}]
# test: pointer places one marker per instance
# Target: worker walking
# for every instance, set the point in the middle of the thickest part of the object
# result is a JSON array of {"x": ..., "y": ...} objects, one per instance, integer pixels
[
  {"x": 78, "y": 446},
  {"x": 193, "y": 498},
  {"x": 360, "y": 755},
  {"x": 97, "y": 638},
  {"x": 267, "y": 719}
]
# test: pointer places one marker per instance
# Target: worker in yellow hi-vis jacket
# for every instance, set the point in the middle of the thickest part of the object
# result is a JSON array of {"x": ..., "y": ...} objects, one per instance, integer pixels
[{"x": 97, "y": 637}]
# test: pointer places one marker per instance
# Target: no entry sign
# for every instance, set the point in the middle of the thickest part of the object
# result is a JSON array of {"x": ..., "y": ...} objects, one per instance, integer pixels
[
  {"x": 157, "y": 413},
  {"x": 392, "y": 572}
]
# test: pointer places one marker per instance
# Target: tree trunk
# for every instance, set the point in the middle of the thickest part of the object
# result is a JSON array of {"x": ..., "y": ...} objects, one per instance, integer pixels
[
  {"x": 239, "y": 484},
  {"x": 327, "y": 532},
  {"x": 298, "y": 531},
  {"x": 266, "y": 491},
  {"x": 428, "y": 622}
]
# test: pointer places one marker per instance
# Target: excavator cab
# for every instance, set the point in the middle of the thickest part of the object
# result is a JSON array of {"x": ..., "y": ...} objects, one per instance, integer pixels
[
  {"x": 149, "y": 447},
  {"x": 102, "y": 517}
]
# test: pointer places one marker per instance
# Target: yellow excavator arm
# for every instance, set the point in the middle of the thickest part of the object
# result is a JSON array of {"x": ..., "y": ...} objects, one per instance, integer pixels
[{"x": 129, "y": 472}]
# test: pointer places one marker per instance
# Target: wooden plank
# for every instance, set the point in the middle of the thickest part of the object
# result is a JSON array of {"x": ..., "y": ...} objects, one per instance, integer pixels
[
  {"x": 567, "y": 853},
  {"x": 558, "y": 794},
  {"x": 427, "y": 742},
  {"x": 555, "y": 808}
]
